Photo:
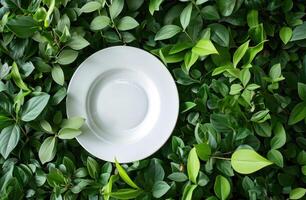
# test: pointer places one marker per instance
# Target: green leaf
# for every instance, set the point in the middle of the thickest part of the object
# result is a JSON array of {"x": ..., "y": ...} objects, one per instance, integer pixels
[
  {"x": 226, "y": 7},
  {"x": 167, "y": 32},
  {"x": 210, "y": 13},
  {"x": 204, "y": 47},
  {"x": 275, "y": 72},
  {"x": 222, "y": 187},
  {"x": 46, "y": 126},
  {"x": 17, "y": 78},
  {"x": 245, "y": 76},
  {"x": 203, "y": 151},
  {"x": 92, "y": 167},
  {"x": 189, "y": 60},
  {"x": 126, "y": 194},
  {"x": 298, "y": 113},
  {"x": 23, "y": 26},
  {"x": 99, "y": 23},
  {"x": 220, "y": 34},
  {"x": 297, "y": 193},
  {"x": 125, "y": 177},
  {"x": 235, "y": 89},
  {"x": 154, "y": 5},
  {"x": 299, "y": 32},
  {"x": 90, "y": 7},
  {"x": 185, "y": 16},
  {"x": 279, "y": 138},
  {"x": 9, "y": 138},
  {"x": 260, "y": 116},
  {"x": 160, "y": 188},
  {"x": 115, "y": 8},
  {"x": 34, "y": 106},
  {"x": 47, "y": 150},
  {"x": 188, "y": 191},
  {"x": 77, "y": 42},
  {"x": 252, "y": 18},
  {"x": 247, "y": 161},
  {"x": 276, "y": 157},
  {"x": 193, "y": 165},
  {"x": 285, "y": 34},
  {"x": 187, "y": 106},
  {"x": 67, "y": 56},
  {"x": 58, "y": 75},
  {"x": 178, "y": 177},
  {"x": 302, "y": 91},
  {"x": 239, "y": 53},
  {"x": 68, "y": 133},
  {"x": 73, "y": 122},
  {"x": 127, "y": 23}
]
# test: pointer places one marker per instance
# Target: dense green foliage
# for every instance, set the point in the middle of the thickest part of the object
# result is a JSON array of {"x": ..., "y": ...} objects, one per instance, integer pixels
[{"x": 240, "y": 67}]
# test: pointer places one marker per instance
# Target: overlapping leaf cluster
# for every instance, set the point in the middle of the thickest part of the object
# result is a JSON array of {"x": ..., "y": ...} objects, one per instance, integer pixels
[{"x": 240, "y": 67}]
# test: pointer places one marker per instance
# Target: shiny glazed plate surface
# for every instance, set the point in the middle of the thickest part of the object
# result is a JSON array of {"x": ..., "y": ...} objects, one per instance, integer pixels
[{"x": 129, "y": 100}]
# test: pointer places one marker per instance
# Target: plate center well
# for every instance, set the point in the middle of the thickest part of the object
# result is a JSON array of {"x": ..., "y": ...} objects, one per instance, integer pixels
[{"x": 117, "y": 103}]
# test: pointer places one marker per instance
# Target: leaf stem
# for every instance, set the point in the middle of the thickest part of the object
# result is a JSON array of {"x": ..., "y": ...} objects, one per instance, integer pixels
[
  {"x": 220, "y": 158},
  {"x": 188, "y": 36}
]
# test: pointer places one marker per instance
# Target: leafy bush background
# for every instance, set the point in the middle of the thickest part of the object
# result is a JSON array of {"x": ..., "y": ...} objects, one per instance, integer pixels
[{"x": 240, "y": 69}]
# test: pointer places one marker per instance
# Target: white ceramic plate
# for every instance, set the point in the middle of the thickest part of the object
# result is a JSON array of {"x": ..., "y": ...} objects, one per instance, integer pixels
[{"x": 129, "y": 100}]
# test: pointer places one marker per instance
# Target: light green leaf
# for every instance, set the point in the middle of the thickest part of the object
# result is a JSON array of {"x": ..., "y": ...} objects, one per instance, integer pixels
[
  {"x": 222, "y": 187},
  {"x": 187, "y": 106},
  {"x": 90, "y": 7},
  {"x": 235, "y": 89},
  {"x": 160, "y": 188},
  {"x": 167, "y": 31},
  {"x": 261, "y": 116},
  {"x": 189, "y": 60},
  {"x": 17, "y": 78},
  {"x": 127, "y": 23},
  {"x": 34, "y": 106},
  {"x": 46, "y": 126},
  {"x": 178, "y": 177},
  {"x": 193, "y": 165},
  {"x": 185, "y": 16},
  {"x": 67, "y": 56},
  {"x": 298, "y": 113},
  {"x": 299, "y": 32},
  {"x": 285, "y": 34},
  {"x": 77, "y": 42},
  {"x": 58, "y": 75},
  {"x": 73, "y": 122},
  {"x": 279, "y": 138},
  {"x": 9, "y": 138},
  {"x": 92, "y": 167},
  {"x": 115, "y": 8},
  {"x": 204, "y": 47},
  {"x": 239, "y": 53},
  {"x": 68, "y": 133},
  {"x": 245, "y": 76},
  {"x": 275, "y": 71},
  {"x": 126, "y": 194},
  {"x": 154, "y": 5},
  {"x": 125, "y": 177},
  {"x": 302, "y": 91},
  {"x": 297, "y": 193},
  {"x": 188, "y": 192},
  {"x": 276, "y": 157},
  {"x": 247, "y": 161},
  {"x": 47, "y": 150},
  {"x": 99, "y": 22}
]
